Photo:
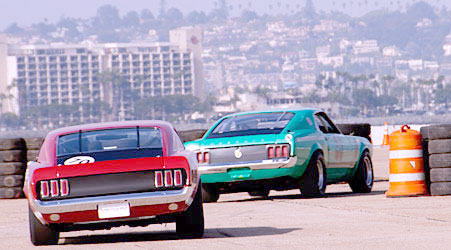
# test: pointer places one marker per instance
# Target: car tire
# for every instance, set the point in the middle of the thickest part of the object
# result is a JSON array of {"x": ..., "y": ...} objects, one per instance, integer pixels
[
  {"x": 33, "y": 143},
  {"x": 32, "y": 155},
  {"x": 191, "y": 135},
  {"x": 439, "y": 146},
  {"x": 12, "y": 143},
  {"x": 209, "y": 193},
  {"x": 11, "y": 193},
  {"x": 11, "y": 180},
  {"x": 313, "y": 182},
  {"x": 9, "y": 168},
  {"x": 263, "y": 193},
  {"x": 433, "y": 132},
  {"x": 362, "y": 181},
  {"x": 440, "y": 160},
  {"x": 12, "y": 156},
  {"x": 440, "y": 175},
  {"x": 190, "y": 225},
  {"x": 440, "y": 188},
  {"x": 41, "y": 234}
]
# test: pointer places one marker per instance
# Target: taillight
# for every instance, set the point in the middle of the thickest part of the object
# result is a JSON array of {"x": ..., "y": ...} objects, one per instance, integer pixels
[
  {"x": 178, "y": 178},
  {"x": 203, "y": 157},
  {"x": 206, "y": 157},
  {"x": 54, "y": 190},
  {"x": 44, "y": 189},
  {"x": 285, "y": 151},
  {"x": 158, "y": 179},
  {"x": 64, "y": 186},
  {"x": 278, "y": 152},
  {"x": 270, "y": 152},
  {"x": 169, "y": 178},
  {"x": 168, "y": 181}
]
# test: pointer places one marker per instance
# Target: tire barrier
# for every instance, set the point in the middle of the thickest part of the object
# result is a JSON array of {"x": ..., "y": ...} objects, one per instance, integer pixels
[
  {"x": 33, "y": 143},
  {"x": 437, "y": 155},
  {"x": 407, "y": 177},
  {"x": 356, "y": 129},
  {"x": 191, "y": 135},
  {"x": 12, "y": 167},
  {"x": 32, "y": 154}
]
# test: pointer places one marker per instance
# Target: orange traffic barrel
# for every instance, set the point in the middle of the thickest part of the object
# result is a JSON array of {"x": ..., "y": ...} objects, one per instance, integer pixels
[
  {"x": 406, "y": 164},
  {"x": 386, "y": 139}
]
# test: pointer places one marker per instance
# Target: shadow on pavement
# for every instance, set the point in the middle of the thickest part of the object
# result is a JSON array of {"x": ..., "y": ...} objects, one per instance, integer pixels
[
  {"x": 234, "y": 232},
  {"x": 300, "y": 196}
]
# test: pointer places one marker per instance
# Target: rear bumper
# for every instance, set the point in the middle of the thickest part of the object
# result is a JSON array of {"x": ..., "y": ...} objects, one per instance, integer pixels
[
  {"x": 254, "y": 165},
  {"x": 88, "y": 206}
]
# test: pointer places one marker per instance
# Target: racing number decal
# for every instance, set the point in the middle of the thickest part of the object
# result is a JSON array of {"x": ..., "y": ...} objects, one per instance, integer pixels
[{"x": 79, "y": 160}]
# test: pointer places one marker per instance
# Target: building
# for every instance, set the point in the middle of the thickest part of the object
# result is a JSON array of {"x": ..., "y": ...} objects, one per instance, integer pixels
[{"x": 116, "y": 74}]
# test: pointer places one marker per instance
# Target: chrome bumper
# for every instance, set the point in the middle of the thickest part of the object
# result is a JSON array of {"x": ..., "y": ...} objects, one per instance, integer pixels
[
  {"x": 253, "y": 165},
  {"x": 91, "y": 203}
]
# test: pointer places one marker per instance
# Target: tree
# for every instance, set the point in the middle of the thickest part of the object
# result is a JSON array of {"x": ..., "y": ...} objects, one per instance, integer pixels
[
  {"x": 10, "y": 120},
  {"x": 146, "y": 15},
  {"x": 174, "y": 15},
  {"x": 131, "y": 19},
  {"x": 107, "y": 17},
  {"x": 196, "y": 17},
  {"x": 248, "y": 15},
  {"x": 14, "y": 29},
  {"x": 386, "y": 100},
  {"x": 112, "y": 84},
  {"x": 365, "y": 98},
  {"x": 106, "y": 22},
  {"x": 443, "y": 94}
]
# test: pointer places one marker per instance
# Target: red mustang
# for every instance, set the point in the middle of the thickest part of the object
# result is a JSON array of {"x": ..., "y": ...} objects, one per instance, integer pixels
[{"x": 99, "y": 176}]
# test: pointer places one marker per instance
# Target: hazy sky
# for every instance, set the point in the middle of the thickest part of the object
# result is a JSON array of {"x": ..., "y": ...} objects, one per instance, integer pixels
[{"x": 26, "y": 12}]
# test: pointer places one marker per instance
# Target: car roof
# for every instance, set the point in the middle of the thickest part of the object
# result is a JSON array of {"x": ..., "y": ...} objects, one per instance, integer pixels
[
  {"x": 110, "y": 125},
  {"x": 294, "y": 110}
]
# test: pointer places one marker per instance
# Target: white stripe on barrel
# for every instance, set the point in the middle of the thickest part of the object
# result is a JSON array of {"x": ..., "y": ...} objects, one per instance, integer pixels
[
  {"x": 402, "y": 154},
  {"x": 406, "y": 177}
]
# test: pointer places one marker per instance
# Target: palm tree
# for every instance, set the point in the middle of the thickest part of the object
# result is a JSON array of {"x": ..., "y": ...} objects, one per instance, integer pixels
[{"x": 113, "y": 85}]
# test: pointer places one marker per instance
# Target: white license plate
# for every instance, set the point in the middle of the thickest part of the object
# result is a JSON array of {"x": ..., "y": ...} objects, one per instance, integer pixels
[{"x": 114, "y": 210}]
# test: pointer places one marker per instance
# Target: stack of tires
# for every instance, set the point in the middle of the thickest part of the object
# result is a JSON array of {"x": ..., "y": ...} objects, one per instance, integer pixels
[
  {"x": 191, "y": 135},
  {"x": 437, "y": 156},
  {"x": 33, "y": 144},
  {"x": 356, "y": 129},
  {"x": 12, "y": 167}
]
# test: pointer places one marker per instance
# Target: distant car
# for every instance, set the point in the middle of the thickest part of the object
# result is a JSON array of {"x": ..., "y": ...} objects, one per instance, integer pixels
[
  {"x": 99, "y": 176},
  {"x": 257, "y": 152}
]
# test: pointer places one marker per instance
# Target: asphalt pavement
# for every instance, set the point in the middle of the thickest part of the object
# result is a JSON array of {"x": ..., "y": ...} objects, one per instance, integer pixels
[{"x": 288, "y": 220}]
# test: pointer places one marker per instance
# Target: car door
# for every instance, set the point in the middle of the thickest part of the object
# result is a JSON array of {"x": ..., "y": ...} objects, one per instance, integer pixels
[
  {"x": 348, "y": 144},
  {"x": 336, "y": 167}
]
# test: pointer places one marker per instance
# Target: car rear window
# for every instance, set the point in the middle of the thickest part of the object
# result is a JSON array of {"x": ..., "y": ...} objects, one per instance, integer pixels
[
  {"x": 252, "y": 124},
  {"x": 110, "y": 140}
]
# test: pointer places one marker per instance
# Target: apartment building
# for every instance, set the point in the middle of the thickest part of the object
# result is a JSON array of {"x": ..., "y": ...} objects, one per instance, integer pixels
[{"x": 66, "y": 74}]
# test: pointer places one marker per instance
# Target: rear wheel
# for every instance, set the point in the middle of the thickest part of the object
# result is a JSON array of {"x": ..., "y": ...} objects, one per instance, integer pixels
[
  {"x": 41, "y": 234},
  {"x": 313, "y": 182},
  {"x": 209, "y": 193},
  {"x": 190, "y": 224},
  {"x": 362, "y": 182}
]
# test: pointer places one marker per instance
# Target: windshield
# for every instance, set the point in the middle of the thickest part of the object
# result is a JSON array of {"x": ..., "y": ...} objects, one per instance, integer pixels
[
  {"x": 109, "y": 140},
  {"x": 252, "y": 124}
]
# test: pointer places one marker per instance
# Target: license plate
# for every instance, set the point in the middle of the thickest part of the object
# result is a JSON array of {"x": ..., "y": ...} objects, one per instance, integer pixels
[{"x": 114, "y": 210}]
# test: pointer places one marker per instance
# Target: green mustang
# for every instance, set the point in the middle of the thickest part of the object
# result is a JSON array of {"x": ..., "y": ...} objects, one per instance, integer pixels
[{"x": 257, "y": 152}]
